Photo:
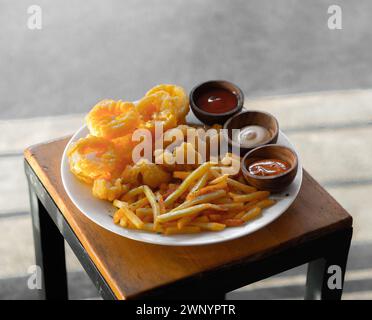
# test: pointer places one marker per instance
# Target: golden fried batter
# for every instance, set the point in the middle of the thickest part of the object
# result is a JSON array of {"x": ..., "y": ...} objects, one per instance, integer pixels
[
  {"x": 93, "y": 157},
  {"x": 111, "y": 119},
  {"x": 145, "y": 172}
]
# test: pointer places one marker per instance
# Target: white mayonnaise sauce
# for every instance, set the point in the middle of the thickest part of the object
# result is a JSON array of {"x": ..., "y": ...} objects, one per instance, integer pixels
[{"x": 250, "y": 136}]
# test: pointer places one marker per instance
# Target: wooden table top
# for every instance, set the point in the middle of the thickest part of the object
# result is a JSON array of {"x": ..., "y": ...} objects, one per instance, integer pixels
[{"x": 132, "y": 268}]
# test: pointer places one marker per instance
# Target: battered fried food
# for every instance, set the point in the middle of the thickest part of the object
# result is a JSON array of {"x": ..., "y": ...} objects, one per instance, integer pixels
[
  {"x": 178, "y": 97},
  {"x": 145, "y": 173},
  {"x": 92, "y": 157},
  {"x": 111, "y": 119}
]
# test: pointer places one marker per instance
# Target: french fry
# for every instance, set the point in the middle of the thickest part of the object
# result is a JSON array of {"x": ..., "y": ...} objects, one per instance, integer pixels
[
  {"x": 247, "y": 207},
  {"x": 214, "y": 187},
  {"x": 133, "y": 206},
  {"x": 160, "y": 200},
  {"x": 123, "y": 221},
  {"x": 144, "y": 211},
  {"x": 130, "y": 225},
  {"x": 150, "y": 227},
  {"x": 201, "y": 202},
  {"x": 265, "y": 203},
  {"x": 208, "y": 212},
  {"x": 181, "y": 174},
  {"x": 240, "y": 214},
  {"x": 223, "y": 200},
  {"x": 233, "y": 194},
  {"x": 117, "y": 216},
  {"x": 233, "y": 205},
  {"x": 148, "y": 219},
  {"x": 171, "y": 188},
  {"x": 215, "y": 171},
  {"x": 184, "y": 221},
  {"x": 201, "y": 219},
  {"x": 252, "y": 214},
  {"x": 153, "y": 203},
  {"x": 174, "y": 215},
  {"x": 233, "y": 222},
  {"x": 229, "y": 215},
  {"x": 201, "y": 199},
  {"x": 208, "y": 189},
  {"x": 219, "y": 179},
  {"x": 233, "y": 183},
  {"x": 215, "y": 217},
  {"x": 211, "y": 226},
  {"x": 170, "y": 224},
  {"x": 240, "y": 186},
  {"x": 196, "y": 174},
  {"x": 132, "y": 193},
  {"x": 258, "y": 195},
  {"x": 137, "y": 222},
  {"x": 251, "y": 204},
  {"x": 120, "y": 204},
  {"x": 200, "y": 184},
  {"x": 138, "y": 204},
  {"x": 187, "y": 229}
]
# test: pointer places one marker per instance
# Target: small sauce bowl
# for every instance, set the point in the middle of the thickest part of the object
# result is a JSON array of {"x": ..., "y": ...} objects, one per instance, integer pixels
[
  {"x": 217, "y": 116},
  {"x": 271, "y": 183},
  {"x": 247, "y": 118}
]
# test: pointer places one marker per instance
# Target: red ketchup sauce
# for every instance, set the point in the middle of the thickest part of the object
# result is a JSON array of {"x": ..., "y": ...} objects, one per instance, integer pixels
[
  {"x": 216, "y": 100},
  {"x": 268, "y": 167}
]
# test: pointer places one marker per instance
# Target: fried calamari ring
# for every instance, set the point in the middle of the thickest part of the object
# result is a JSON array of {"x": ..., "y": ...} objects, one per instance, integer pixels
[
  {"x": 166, "y": 117},
  {"x": 92, "y": 157},
  {"x": 151, "y": 104},
  {"x": 157, "y": 107},
  {"x": 111, "y": 119},
  {"x": 124, "y": 146},
  {"x": 178, "y": 97}
]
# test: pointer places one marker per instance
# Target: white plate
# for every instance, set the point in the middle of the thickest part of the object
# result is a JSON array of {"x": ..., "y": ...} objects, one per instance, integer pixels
[{"x": 99, "y": 211}]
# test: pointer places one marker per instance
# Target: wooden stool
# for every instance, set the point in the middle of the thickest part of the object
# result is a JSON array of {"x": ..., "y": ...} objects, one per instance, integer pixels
[{"x": 315, "y": 229}]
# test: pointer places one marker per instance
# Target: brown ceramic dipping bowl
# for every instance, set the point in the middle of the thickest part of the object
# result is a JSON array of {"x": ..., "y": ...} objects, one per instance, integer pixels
[
  {"x": 210, "y": 118},
  {"x": 271, "y": 183},
  {"x": 247, "y": 118}
]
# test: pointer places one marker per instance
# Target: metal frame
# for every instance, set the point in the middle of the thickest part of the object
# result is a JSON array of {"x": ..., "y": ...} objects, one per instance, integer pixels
[{"x": 51, "y": 229}]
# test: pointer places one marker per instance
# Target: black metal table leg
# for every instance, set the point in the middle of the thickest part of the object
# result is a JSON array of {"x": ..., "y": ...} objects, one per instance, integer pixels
[
  {"x": 50, "y": 228},
  {"x": 49, "y": 251},
  {"x": 325, "y": 276}
]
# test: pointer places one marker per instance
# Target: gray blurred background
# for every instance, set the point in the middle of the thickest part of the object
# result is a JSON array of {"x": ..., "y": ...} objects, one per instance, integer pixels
[
  {"x": 281, "y": 53},
  {"x": 91, "y": 50}
]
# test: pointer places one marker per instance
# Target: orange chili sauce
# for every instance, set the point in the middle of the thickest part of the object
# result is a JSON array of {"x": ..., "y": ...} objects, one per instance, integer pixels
[{"x": 268, "y": 167}]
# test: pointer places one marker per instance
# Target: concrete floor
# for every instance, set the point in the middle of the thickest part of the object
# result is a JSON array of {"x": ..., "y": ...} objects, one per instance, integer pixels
[{"x": 279, "y": 53}]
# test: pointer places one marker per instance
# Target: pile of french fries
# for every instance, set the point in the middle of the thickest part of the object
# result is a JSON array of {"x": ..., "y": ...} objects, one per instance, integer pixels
[{"x": 201, "y": 200}]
